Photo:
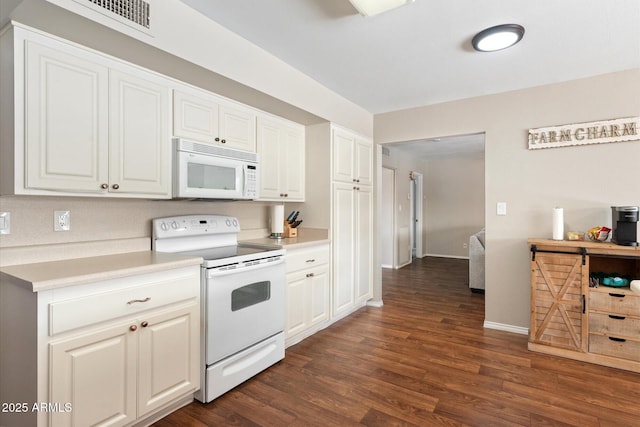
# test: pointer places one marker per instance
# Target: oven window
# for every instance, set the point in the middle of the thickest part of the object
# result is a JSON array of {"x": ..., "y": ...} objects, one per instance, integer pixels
[
  {"x": 249, "y": 295},
  {"x": 211, "y": 177}
]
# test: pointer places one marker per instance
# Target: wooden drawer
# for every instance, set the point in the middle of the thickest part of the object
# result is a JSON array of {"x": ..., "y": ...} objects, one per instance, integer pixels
[
  {"x": 614, "y": 346},
  {"x": 299, "y": 259},
  {"x": 84, "y": 311},
  {"x": 614, "y": 324},
  {"x": 614, "y": 301}
]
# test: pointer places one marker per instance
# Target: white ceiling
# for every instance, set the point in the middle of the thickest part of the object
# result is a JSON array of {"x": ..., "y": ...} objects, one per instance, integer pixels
[{"x": 420, "y": 54}]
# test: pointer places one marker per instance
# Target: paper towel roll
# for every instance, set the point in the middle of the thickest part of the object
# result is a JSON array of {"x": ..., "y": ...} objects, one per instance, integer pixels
[
  {"x": 277, "y": 219},
  {"x": 558, "y": 224}
]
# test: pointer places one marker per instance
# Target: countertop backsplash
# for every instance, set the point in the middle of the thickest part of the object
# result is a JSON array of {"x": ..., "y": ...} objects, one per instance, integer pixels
[{"x": 101, "y": 226}]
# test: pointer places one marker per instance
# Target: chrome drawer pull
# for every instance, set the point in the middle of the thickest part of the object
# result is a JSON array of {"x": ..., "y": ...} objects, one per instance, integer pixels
[
  {"x": 611, "y": 316},
  {"x": 139, "y": 300},
  {"x": 310, "y": 260},
  {"x": 617, "y": 339},
  {"x": 617, "y": 295}
]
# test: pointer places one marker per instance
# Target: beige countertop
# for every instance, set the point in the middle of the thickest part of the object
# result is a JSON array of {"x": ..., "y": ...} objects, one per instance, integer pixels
[
  {"x": 56, "y": 274},
  {"x": 306, "y": 237}
]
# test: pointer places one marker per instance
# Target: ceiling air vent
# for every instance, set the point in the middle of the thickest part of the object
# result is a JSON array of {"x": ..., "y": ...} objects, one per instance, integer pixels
[{"x": 133, "y": 11}]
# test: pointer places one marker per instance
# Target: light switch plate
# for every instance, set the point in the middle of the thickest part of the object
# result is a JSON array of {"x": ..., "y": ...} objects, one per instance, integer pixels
[
  {"x": 5, "y": 222},
  {"x": 61, "y": 220},
  {"x": 501, "y": 208}
]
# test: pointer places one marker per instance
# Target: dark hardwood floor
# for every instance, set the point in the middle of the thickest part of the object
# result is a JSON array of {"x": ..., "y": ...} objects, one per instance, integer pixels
[{"x": 423, "y": 359}]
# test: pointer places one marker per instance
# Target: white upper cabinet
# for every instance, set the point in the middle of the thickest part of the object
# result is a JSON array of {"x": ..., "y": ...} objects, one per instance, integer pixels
[
  {"x": 139, "y": 139},
  {"x": 204, "y": 117},
  {"x": 87, "y": 124},
  {"x": 281, "y": 146},
  {"x": 66, "y": 134},
  {"x": 352, "y": 158}
]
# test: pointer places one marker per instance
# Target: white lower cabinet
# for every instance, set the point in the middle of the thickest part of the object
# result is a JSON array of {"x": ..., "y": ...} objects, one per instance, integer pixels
[
  {"x": 308, "y": 291},
  {"x": 114, "y": 375},
  {"x": 111, "y": 353}
]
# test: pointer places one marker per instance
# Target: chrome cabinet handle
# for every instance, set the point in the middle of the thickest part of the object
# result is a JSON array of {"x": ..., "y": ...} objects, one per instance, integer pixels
[
  {"x": 104, "y": 186},
  {"x": 144, "y": 324},
  {"x": 139, "y": 300},
  {"x": 133, "y": 328},
  {"x": 115, "y": 186},
  {"x": 310, "y": 275}
]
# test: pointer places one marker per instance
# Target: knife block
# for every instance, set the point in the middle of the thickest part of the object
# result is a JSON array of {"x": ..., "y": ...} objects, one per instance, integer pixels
[{"x": 288, "y": 231}]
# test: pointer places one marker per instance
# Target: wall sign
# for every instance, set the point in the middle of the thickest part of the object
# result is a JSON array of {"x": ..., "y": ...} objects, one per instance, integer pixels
[{"x": 616, "y": 130}]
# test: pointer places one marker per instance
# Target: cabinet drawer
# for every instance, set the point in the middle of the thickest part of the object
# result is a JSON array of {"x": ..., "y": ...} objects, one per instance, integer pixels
[
  {"x": 614, "y": 324},
  {"x": 85, "y": 311},
  {"x": 614, "y": 301},
  {"x": 613, "y": 346},
  {"x": 299, "y": 259}
]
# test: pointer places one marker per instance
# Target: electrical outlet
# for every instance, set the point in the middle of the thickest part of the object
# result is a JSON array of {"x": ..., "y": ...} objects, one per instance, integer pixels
[
  {"x": 61, "y": 220},
  {"x": 465, "y": 245}
]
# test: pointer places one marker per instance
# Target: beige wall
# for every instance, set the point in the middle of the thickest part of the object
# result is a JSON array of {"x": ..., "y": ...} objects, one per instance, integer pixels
[
  {"x": 454, "y": 204},
  {"x": 585, "y": 180}
]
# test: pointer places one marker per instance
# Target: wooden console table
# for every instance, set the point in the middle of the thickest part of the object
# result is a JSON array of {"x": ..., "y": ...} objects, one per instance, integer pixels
[{"x": 571, "y": 319}]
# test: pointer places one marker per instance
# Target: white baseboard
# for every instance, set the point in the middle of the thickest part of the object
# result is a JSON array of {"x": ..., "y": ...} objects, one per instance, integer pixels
[
  {"x": 375, "y": 303},
  {"x": 507, "y": 328},
  {"x": 447, "y": 256}
]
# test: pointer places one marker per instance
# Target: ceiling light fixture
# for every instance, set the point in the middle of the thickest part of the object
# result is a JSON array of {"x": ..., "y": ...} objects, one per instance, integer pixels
[
  {"x": 374, "y": 7},
  {"x": 498, "y": 37}
]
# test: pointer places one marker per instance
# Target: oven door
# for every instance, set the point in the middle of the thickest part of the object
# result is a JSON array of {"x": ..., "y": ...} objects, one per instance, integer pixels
[
  {"x": 243, "y": 306},
  {"x": 208, "y": 177}
]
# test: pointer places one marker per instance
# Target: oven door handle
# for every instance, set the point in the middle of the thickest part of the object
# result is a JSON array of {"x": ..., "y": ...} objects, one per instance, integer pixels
[{"x": 215, "y": 272}]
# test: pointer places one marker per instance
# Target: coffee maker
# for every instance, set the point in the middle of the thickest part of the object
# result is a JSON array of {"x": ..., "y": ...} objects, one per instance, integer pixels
[{"x": 625, "y": 225}]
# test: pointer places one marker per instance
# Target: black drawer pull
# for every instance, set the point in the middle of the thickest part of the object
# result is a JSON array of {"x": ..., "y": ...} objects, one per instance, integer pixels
[
  {"x": 611, "y": 316},
  {"x": 617, "y": 339},
  {"x": 617, "y": 295}
]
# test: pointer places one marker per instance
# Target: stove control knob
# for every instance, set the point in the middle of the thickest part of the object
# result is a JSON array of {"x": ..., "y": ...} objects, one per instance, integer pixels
[
  {"x": 164, "y": 226},
  {"x": 174, "y": 225},
  {"x": 228, "y": 222},
  {"x": 235, "y": 223}
]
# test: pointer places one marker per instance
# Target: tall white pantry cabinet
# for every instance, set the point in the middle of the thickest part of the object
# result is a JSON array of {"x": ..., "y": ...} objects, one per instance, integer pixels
[{"x": 344, "y": 161}]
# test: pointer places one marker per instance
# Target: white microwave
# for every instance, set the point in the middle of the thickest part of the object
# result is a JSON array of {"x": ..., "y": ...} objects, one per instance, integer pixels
[{"x": 204, "y": 171}]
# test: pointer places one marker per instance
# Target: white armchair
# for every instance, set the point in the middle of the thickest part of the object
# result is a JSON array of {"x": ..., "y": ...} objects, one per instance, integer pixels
[{"x": 476, "y": 261}]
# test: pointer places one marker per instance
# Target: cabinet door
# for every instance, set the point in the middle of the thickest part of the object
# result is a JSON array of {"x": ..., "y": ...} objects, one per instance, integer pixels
[
  {"x": 343, "y": 156},
  {"x": 96, "y": 374},
  {"x": 296, "y": 303},
  {"x": 363, "y": 244},
  {"x": 139, "y": 140},
  {"x": 557, "y": 301},
  {"x": 293, "y": 170},
  {"x": 237, "y": 127},
  {"x": 169, "y": 357},
  {"x": 66, "y": 134},
  {"x": 318, "y": 289},
  {"x": 194, "y": 117},
  {"x": 271, "y": 164},
  {"x": 364, "y": 162},
  {"x": 343, "y": 230}
]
